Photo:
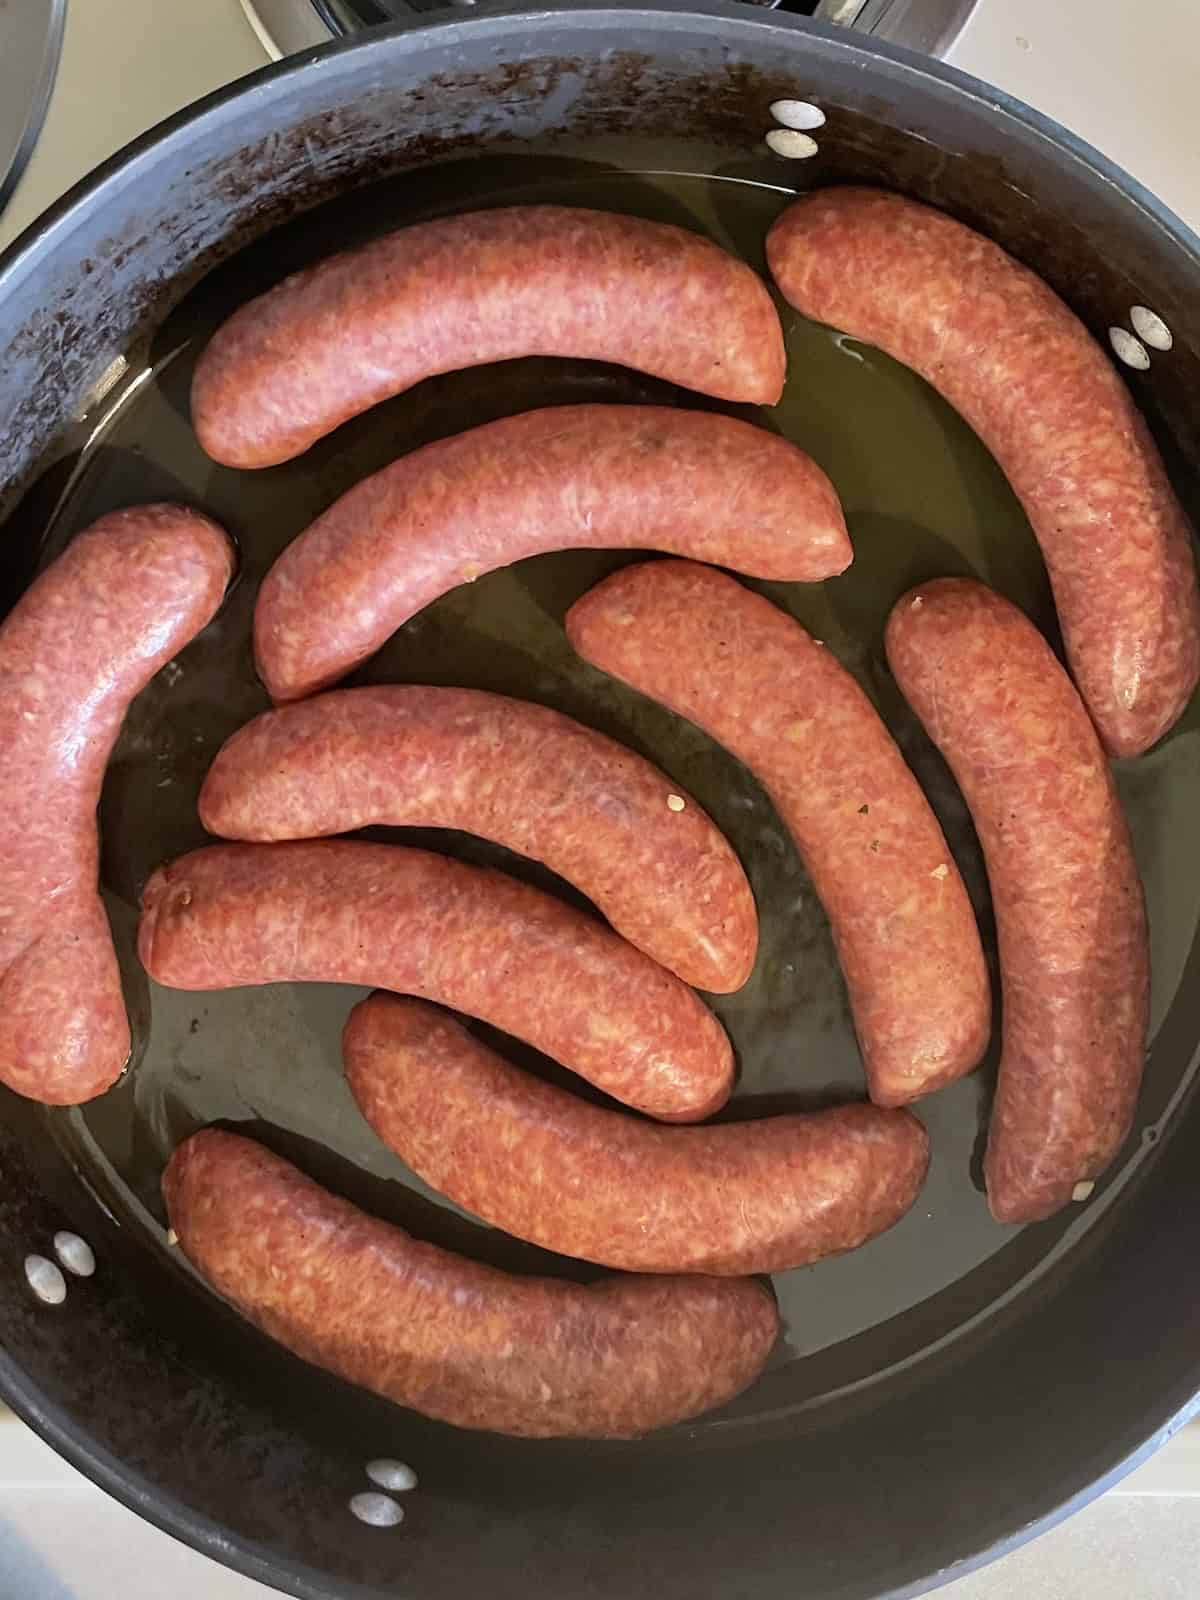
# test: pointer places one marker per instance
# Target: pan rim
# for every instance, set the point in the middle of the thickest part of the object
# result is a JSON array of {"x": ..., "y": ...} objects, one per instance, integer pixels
[{"x": 269, "y": 80}]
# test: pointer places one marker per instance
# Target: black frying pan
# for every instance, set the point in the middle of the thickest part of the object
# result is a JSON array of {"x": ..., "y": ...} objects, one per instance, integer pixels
[{"x": 938, "y": 1394}]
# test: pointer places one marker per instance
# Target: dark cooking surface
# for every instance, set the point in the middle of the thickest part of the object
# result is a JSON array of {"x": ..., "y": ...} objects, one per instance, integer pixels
[
  {"x": 922, "y": 498},
  {"x": 162, "y": 1394}
]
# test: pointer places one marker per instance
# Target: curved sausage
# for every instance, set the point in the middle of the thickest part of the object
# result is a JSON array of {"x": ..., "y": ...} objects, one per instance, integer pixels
[
  {"x": 447, "y": 1336},
  {"x": 569, "y": 477},
  {"x": 1006, "y": 352},
  {"x": 84, "y": 639},
  {"x": 748, "y": 675},
  {"x": 536, "y": 1161},
  {"x": 1071, "y": 920},
  {"x": 340, "y": 911},
  {"x": 332, "y": 341},
  {"x": 520, "y": 774}
]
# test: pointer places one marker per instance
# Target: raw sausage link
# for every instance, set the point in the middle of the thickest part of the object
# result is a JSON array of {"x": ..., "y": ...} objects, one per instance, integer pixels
[
  {"x": 569, "y": 477},
  {"x": 339, "y": 911},
  {"x": 520, "y": 774},
  {"x": 731, "y": 1199},
  {"x": 1074, "y": 961},
  {"x": 447, "y": 1336},
  {"x": 84, "y": 639},
  {"x": 1025, "y": 373},
  {"x": 329, "y": 342},
  {"x": 903, "y": 925}
]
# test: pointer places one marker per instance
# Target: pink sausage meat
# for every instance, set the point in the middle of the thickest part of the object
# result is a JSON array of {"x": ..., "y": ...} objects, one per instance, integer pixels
[
  {"x": 741, "y": 669},
  {"x": 126, "y": 595},
  {"x": 330, "y": 342},
  {"x": 569, "y": 477},
  {"x": 728, "y": 1199},
  {"x": 339, "y": 911},
  {"x": 447, "y": 1336},
  {"x": 520, "y": 774},
  {"x": 1071, "y": 920},
  {"x": 1006, "y": 352}
]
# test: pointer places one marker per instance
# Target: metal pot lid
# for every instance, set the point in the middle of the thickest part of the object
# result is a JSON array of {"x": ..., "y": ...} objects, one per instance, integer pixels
[{"x": 30, "y": 43}]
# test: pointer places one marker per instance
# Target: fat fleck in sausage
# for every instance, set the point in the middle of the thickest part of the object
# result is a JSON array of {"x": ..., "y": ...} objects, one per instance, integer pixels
[
  {"x": 340, "y": 911},
  {"x": 84, "y": 639},
  {"x": 527, "y": 1157},
  {"x": 520, "y": 774},
  {"x": 1074, "y": 962},
  {"x": 329, "y": 342},
  {"x": 1025, "y": 373},
  {"x": 569, "y": 477},
  {"x": 751, "y": 677},
  {"x": 447, "y": 1336}
]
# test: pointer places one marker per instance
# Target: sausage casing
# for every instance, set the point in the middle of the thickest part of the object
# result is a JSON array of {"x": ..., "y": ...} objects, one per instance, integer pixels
[
  {"x": 342, "y": 911},
  {"x": 728, "y": 1198},
  {"x": 568, "y": 477},
  {"x": 760, "y": 685},
  {"x": 1007, "y": 354},
  {"x": 126, "y": 595},
  {"x": 329, "y": 342},
  {"x": 1070, "y": 915},
  {"x": 520, "y": 774},
  {"x": 448, "y": 1336}
]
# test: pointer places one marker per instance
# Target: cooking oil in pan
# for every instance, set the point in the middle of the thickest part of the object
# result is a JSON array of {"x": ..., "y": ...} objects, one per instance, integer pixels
[{"x": 922, "y": 498}]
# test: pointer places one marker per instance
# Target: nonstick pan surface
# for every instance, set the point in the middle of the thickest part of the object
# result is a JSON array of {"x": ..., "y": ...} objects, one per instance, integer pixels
[{"x": 923, "y": 498}]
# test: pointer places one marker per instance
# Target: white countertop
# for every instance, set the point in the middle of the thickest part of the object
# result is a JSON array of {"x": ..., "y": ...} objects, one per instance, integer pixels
[
  {"x": 1121, "y": 73},
  {"x": 127, "y": 64},
  {"x": 62, "y": 1539}
]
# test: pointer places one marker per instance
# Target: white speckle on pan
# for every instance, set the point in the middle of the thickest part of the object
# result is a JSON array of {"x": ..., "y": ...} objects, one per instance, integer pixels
[
  {"x": 172, "y": 1236},
  {"x": 76, "y": 1254},
  {"x": 799, "y": 114},
  {"x": 1150, "y": 328},
  {"x": 376, "y": 1510},
  {"x": 791, "y": 144},
  {"x": 1129, "y": 349},
  {"x": 395, "y": 1475},
  {"x": 46, "y": 1280},
  {"x": 675, "y": 802},
  {"x": 1082, "y": 1190}
]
